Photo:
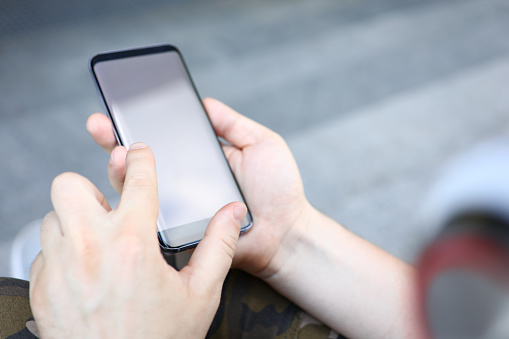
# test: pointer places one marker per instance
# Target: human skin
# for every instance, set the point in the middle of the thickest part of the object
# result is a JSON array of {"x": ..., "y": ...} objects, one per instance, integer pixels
[
  {"x": 344, "y": 281},
  {"x": 100, "y": 273}
]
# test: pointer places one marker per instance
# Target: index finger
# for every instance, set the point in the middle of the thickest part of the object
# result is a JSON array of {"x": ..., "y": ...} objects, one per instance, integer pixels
[{"x": 139, "y": 196}]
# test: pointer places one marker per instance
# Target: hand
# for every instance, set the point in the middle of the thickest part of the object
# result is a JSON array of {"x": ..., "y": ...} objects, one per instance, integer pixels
[
  {"x": 267, "y": 175},
  {"x": 101, "y": 274}
]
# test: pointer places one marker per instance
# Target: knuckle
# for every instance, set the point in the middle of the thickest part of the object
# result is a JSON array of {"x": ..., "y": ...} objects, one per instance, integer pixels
[
  {"x": 41, "y": 291},
  {"x": 139, "y": 153},
  {"x": 36, "y": 265},
  {"x": 66, "y": 183},
  {"x": 48, "y": 218},
  {"x": 38, "y": 259},
  {"x": 137, "y": 180},
  {"x": 62, "y": 180},
  {"x": 229, "y": 245},
  {"x": 277, "y": 138},
  {"x": 38, "y": 298}
]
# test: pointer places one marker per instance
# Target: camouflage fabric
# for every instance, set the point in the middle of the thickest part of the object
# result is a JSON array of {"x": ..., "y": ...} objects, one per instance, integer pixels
[
  {"x": 16, "y": 319},
  {"x": 249, "y": 308}
]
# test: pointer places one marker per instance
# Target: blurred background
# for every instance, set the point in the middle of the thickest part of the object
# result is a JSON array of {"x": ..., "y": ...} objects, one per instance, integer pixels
[{"x": 373, "y": 96}]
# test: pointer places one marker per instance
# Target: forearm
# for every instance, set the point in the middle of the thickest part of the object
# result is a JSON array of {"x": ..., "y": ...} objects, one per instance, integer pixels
[{"x": 346, "y": 282}]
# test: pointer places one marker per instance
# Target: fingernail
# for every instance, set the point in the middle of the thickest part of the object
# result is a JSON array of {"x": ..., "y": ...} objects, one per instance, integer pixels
[
  {"x": 239, "y": 213},
  {"x": 137, "y": 145},
  {"x": 112, "y": 162}
]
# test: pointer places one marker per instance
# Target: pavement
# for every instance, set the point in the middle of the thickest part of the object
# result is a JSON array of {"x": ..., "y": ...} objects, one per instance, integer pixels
[{"x": 372, "y": 96}]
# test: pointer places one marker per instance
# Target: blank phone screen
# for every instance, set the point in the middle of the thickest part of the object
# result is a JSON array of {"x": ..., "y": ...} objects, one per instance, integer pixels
[{"x": 151, "y": 99}]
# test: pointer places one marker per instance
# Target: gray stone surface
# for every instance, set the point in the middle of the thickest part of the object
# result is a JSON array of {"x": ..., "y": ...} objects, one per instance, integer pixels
[
  {"x": 373, "y": 169},
  {"x": 373, "y": 95}
]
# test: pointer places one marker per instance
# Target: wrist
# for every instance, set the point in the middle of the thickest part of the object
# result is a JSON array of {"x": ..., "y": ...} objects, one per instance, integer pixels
[{"x": 296, "y": 240}]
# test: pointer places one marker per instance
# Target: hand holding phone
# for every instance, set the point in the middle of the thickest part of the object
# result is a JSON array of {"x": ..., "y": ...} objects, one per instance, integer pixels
[
  {"x": 265, "y": 170},
  {"x": 101, "y": 273}
]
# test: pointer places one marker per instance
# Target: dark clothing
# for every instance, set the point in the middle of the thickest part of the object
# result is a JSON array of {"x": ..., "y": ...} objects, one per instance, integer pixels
[{"x": 249, "y": 308}]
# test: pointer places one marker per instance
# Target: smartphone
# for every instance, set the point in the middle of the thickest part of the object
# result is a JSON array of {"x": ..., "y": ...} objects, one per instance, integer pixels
[{"x": 150, "y": 97}]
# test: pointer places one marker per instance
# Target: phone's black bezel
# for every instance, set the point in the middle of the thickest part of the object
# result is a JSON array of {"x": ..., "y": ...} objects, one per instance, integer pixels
[{"x": 121, "y": 54}]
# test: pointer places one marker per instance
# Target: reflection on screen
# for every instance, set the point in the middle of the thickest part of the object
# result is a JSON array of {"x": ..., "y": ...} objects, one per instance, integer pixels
[{"x": 152, "y": 100}]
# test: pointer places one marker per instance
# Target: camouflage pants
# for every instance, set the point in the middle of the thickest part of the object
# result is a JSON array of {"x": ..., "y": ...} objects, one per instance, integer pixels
[{"x": 249, "y": 308}]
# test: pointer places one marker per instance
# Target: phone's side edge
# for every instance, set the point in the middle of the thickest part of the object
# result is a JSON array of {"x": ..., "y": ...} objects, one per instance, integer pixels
[{"x": 248, "y": 227}]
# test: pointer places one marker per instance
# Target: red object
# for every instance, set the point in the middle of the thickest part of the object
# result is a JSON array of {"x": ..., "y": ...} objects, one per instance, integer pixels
[{"x": 472, "y": 252}]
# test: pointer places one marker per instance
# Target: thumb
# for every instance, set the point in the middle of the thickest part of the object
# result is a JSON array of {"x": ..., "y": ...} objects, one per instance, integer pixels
[{"x": 213, "y": 256}]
